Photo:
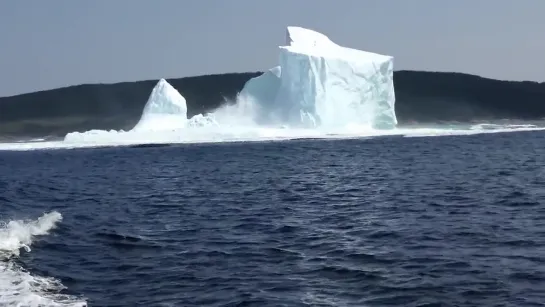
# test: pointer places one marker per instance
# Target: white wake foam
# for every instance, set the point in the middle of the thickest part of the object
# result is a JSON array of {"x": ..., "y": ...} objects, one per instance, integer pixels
[{"x": 17, "y": 286}]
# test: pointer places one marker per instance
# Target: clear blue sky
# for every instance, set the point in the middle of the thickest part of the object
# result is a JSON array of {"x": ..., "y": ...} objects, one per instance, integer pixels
[{"x": 54, "y": 43}]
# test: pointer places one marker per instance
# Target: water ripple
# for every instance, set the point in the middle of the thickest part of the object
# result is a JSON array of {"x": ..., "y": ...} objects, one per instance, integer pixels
[{"x": 384, "y": 222}]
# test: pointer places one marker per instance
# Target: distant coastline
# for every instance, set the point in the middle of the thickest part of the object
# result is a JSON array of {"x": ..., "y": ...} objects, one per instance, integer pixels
[{"x": 421, "y": 97}]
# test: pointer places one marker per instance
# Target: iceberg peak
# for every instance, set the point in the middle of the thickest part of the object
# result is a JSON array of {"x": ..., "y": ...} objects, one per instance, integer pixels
[
  {"x": 306, "y": 41},
  {"x": 166, "y": 109},
  {"x": 297, "y": 36}
]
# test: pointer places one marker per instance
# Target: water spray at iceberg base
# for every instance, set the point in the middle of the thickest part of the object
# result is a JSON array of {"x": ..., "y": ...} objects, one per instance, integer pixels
[{"x": 318, "y": 90}]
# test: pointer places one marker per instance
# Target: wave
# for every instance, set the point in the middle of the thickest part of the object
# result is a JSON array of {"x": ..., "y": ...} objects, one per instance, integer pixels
[
  {"x": 18, "y": 287},
  {"x": 421, "y": 98}
]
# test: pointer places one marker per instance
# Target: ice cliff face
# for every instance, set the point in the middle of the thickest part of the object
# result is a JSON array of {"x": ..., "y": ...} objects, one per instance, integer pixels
[
  {"x": 321, "y": 84},
  {"x": 261, "y": 93},
  {"x": 166, "y": 109}
]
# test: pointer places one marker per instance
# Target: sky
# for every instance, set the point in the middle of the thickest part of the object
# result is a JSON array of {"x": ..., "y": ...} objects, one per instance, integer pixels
[{"x": 56, "y": 43}]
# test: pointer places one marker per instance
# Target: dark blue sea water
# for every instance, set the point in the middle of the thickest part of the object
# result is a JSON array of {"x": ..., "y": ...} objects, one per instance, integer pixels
[{"x": 391, "y": 221}]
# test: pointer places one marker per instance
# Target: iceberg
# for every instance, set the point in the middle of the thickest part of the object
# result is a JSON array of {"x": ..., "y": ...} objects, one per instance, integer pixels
[
  {"x": 166, "y": 109},
  {"x": 321, "y": 84},
  {"x": 318, "y": 89},
  {"x": 163, "y": 118},
  {"x": 261, "y": 92}
]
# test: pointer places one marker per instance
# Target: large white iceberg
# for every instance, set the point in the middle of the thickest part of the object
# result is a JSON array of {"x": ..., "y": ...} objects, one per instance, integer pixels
[
  {"x": 317, "y": 84},
  {"x": 321, "y": 84},
  {"x": 166, "y": 109}
]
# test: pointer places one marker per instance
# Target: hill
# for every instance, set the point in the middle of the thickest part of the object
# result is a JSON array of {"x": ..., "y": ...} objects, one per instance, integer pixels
[{"x": 423, "y": 97}]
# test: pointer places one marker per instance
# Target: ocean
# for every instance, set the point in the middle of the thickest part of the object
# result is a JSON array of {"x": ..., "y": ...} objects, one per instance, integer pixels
[{"x": 453, "y": 220}]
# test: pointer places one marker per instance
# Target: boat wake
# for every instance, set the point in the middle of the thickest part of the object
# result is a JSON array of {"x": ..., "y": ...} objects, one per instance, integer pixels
[{"x": 18, "y": 287}]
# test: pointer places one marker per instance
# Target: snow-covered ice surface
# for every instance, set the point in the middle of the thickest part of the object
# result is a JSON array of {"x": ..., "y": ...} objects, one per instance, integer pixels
[{"x": 318, "y": 90}]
